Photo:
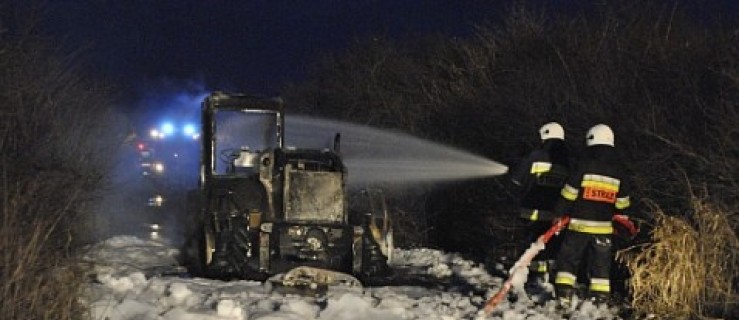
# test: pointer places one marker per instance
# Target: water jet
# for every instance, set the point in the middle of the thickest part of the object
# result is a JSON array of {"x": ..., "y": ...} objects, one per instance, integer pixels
[{"x": 375, "y": 155}]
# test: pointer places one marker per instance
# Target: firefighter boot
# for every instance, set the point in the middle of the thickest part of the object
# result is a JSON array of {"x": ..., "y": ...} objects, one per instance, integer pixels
[
  {"x": 601, "y": 299},
  {"x": 565, "y": 294},
  {"x": 537, "y": 286},
  {"x": 539, "y": 271}
]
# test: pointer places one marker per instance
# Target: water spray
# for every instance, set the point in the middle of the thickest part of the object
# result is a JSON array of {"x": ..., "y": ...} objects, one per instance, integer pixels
[{"x": 375, "y": 155}]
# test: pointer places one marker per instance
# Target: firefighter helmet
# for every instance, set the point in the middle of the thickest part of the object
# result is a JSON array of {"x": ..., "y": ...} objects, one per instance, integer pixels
[
  {"x": 599, "y": 135},
  {"x": 552, "y": 130}
]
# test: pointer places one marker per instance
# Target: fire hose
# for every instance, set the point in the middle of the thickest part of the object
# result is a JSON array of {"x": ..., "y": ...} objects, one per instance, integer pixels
[
  {"x": 522, "y": 263},
  {"x": 529, "y": 255}
]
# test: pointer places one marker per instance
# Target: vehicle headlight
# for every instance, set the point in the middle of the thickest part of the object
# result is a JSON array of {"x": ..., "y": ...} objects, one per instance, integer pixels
[
  {"x": 156, "y": 201},
  {"x": 158, "y": 167}
]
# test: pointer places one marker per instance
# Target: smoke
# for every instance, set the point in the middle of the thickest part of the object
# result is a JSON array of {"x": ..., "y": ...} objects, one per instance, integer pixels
[
  {"x": 127, "y": 207},
  {"x": 167, "y": 100}
]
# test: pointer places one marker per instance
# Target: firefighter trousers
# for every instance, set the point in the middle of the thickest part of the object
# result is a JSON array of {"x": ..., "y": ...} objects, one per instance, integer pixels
[{"x": 595, "y": 250}]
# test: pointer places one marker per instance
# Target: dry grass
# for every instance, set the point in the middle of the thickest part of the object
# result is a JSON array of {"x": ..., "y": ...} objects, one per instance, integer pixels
[
  {"x": 56, "y": 142},
  {"x": 36, "y": 284},
  {"x": 38, "y": 277},
  {"x": 688, "y": 269}
]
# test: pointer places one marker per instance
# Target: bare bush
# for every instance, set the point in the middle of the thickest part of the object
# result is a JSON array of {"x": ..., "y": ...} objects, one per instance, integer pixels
[
  {"x": 56, "y": 143},
  {"x": 689, "y": 267}
]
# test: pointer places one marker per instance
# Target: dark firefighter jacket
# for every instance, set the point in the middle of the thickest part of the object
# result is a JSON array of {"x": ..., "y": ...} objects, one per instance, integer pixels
[
  {"x": 540, "y": 178},
  {"x": 594, "y": 192}
]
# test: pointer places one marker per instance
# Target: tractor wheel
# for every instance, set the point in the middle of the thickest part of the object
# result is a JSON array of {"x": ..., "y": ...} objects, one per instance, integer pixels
[{"x": 199, "y": 252}]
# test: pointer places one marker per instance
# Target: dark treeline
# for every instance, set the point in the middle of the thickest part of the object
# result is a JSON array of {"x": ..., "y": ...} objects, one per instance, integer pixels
[
  {"x": 665, "y": 82},
  {"x": 663, "y": 74}
]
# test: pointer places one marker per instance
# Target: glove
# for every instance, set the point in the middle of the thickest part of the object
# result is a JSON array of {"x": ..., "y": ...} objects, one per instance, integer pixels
[{"x": 625, "y": 227}]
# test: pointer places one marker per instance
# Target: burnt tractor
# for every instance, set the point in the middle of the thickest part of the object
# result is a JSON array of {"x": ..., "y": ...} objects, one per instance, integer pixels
[{"x": 263, "y": 209}]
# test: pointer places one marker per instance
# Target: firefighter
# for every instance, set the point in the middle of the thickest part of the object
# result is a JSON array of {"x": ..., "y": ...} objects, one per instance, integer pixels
[
  {"x": 540, "y": 178},
  {"x": 593, "y": 194}
]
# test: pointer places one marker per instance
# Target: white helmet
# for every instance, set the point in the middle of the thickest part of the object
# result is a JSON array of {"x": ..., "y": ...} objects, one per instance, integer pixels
[
  {"x": 599, "y": 135},
  {"x": 552, "y": 130}
]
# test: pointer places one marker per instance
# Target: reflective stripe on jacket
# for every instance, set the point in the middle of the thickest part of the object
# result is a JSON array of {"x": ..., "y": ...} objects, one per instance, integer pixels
[
  {"x": 595, "y": 191},
  {"x": 591, "y": 227},
  {"x": 539, "y": 178}
]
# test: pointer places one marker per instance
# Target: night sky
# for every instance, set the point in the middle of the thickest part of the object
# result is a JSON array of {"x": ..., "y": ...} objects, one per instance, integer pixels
[{"x": 248, "y": 46}]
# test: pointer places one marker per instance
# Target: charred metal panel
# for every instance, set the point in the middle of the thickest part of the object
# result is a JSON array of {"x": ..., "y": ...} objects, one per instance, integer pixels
[{"x": 314, "y": 196}]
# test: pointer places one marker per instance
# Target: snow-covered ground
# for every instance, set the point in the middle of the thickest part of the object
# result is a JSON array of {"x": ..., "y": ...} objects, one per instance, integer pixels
[{"x": 126, "y": 284}]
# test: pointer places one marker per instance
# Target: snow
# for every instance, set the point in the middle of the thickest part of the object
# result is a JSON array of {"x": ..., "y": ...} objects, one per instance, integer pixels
[{"x": 128, "y": 284}]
